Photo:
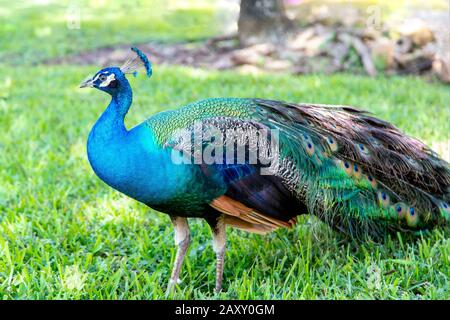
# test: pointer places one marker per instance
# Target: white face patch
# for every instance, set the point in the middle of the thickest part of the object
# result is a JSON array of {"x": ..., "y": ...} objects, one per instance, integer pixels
[{"x": 108, "y": 80}]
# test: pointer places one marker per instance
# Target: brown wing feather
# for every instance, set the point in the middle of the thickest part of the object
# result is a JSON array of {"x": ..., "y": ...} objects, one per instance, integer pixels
[{"x": 243, "y": 217}]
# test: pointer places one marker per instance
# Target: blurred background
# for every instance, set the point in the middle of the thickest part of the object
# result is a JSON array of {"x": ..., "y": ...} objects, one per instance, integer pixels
[
  {"x": 296, "y": 36},
  {"x": 64, "y": 234}
]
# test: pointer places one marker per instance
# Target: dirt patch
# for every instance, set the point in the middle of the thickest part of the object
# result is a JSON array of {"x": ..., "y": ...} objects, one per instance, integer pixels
[
  {"x": 198, "y": 54},
  {"x": 413, "y": 46}
]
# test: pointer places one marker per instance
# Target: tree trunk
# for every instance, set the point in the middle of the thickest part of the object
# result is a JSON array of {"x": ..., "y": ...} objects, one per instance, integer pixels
[{"x": 262, "y": 21}]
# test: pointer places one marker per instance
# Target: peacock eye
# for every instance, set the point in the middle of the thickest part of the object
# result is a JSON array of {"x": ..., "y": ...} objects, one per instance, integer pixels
[
  {"x": 102, "y": 77},
  {"x": 400, "y": 208},
  {"x": 383, "y": 199}
]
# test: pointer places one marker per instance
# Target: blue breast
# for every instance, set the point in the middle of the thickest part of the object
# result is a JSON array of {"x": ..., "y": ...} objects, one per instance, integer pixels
[{"x": 131, "y": 162}]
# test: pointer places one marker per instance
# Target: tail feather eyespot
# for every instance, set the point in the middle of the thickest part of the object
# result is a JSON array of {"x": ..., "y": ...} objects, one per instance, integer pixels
[
  {"x": 362, "y": 149},
  {"x": 383, "y": 199},
  {"x": 411, "y": 217},
  {"x": 309, "y": 147},
  {"x": 400, "y": 209},
  {"x": 332, "y": 143},
  {"x": 371, "y": 180},
  {"x": 347, "y": 166},
  {"x": 357, "y": 173},
  {"x": 308, "y": 144}
]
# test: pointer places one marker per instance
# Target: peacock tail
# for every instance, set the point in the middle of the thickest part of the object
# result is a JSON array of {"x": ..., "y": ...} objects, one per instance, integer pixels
[{"x": 357, "y": 173}]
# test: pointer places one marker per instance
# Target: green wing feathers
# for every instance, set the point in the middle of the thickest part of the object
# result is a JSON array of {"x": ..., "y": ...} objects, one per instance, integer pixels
[{"x": 164, "y": 124}]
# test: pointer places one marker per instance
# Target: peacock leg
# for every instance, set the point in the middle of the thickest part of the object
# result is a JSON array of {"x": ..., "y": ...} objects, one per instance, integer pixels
[
  {"x": 219, "y": 241},
  {"x": 182, "y": 239}
]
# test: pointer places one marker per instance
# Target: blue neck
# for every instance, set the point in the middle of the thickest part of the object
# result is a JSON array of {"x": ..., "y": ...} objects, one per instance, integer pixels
[
  {"x": 108, "y": 136},
  {"x": 112, "y": 122}
]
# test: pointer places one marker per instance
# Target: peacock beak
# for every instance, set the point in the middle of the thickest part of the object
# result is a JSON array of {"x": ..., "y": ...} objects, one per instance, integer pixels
[{"x": 89, "y": 83}]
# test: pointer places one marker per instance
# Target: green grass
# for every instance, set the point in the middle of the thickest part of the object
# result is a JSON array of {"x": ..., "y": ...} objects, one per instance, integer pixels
[
  {"x": 65, "y": 234},
  {"x": 30, "y": 32}
]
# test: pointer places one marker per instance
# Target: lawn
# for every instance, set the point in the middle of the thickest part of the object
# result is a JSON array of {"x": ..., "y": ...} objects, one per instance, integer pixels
[{"x": 64, "y": 234}]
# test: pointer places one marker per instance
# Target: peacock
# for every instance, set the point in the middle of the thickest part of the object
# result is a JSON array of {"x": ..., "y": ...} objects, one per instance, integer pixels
[{"x": 256, "y": 164}]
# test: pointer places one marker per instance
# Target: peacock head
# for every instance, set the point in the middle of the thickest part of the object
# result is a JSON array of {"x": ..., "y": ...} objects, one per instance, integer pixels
[{"x": 112, "y": 79}]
